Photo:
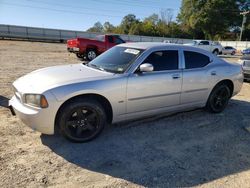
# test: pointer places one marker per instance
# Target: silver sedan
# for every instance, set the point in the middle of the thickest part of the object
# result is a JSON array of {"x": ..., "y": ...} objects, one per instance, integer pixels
[
  {"x": 129, "y": 81},
  {"x": 228, "y": 50}
]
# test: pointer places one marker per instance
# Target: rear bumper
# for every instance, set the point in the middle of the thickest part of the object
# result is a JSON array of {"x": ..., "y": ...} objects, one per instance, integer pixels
[
  {"x": 40, "y": 120},
  {"x": 73, "y": 50}
]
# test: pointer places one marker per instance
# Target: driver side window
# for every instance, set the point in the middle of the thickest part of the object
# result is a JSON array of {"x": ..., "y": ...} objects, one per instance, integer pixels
[{"x": 163, "y": 60}]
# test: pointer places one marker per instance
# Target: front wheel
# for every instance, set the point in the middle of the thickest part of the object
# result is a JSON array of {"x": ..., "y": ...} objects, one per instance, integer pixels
[
  {"x": 82, "y": 120},
  {"x": 216, "y": 52},
  {"x": 218, "y": 99}
]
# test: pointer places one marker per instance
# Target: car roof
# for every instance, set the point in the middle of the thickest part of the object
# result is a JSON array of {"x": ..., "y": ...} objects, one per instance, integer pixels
[
  {"x": 156, "y": 45},
  {"x": 200, "y": 40},
  {"x": 148, "y": 45}
]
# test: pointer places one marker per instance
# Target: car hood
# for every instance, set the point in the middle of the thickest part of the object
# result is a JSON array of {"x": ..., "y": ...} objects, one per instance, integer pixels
[
  {"x": 189, "y": 44},
  {"x": 44, "y": 79},
  {"x": 246, "y": 50}
]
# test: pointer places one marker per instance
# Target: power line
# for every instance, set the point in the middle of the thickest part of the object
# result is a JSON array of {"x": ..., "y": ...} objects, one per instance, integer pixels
[
  {"x": 60, "y": 10},
  {"x": 78, "y": 7},
  {"x": 129, "y": 4}
]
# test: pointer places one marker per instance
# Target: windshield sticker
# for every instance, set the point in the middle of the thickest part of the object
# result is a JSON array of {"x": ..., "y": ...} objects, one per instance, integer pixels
[
  {"x": 120, "y": 69},
  {"x": 132, "y": 51}
]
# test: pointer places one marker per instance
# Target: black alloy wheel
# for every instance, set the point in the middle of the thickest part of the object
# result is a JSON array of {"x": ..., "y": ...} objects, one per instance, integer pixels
[
  {"x": 82, "y": 121},
  {"x": 218, "y": 98}
]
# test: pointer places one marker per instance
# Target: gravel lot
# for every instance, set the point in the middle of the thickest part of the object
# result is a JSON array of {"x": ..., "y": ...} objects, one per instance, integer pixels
[{"x": 193, "y": 148}]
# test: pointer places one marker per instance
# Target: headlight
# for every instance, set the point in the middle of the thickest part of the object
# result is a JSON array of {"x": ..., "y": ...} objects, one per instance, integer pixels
[{"x": 36, "y": 100}]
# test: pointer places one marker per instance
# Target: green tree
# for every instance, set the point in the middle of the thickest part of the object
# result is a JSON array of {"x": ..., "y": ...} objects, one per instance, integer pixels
[
  {"x": 127, "y": 23},
  {"x": 108, "y": 27},
  {"x": 98, "y": 28},
  {"x": 212, "y": 17}
]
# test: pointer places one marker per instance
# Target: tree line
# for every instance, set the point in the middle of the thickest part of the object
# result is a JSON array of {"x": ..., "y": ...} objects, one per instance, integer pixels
[{"x": 210, "y": 19}]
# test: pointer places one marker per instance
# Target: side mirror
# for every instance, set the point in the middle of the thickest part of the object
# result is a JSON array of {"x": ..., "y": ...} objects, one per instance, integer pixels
[{"x": 146, "y": 67}]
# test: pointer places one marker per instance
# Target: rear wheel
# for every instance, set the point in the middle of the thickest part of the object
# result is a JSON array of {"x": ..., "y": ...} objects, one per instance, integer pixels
[
  {"x": 218, "y": 98},
  {"x": 82, "y": 120},
  {"x": 91, "y": 54},
  {"x": 233, "y": 53}
]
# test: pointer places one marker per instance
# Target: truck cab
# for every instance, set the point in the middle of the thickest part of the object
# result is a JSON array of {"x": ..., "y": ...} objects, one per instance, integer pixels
[
  {"x": 211, "y": 46},
  {"x": 91, "y": 48}
]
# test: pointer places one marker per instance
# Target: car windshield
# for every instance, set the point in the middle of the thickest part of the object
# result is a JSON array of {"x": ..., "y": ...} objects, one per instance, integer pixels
[{"x": 115, "y": 60}]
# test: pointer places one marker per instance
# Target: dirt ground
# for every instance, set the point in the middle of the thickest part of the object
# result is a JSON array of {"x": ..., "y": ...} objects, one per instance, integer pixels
[{"x": 187, "y": 149}]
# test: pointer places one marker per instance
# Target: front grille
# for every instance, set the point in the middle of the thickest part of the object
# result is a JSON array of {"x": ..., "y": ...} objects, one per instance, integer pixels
[
  {"x": 246, "y": 63},
  {"x": 247, "y": 76}
]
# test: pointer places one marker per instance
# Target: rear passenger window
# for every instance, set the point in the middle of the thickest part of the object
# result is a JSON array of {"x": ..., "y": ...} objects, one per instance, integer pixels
[
  {"x": 110, "y": 39},
  {"x": 195, "y": 60},
  {"x": 163, "y": 60}
]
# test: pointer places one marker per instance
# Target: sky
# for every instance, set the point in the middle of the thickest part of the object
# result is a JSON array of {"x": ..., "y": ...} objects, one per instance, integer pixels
[{"x": 78, "y": 14}]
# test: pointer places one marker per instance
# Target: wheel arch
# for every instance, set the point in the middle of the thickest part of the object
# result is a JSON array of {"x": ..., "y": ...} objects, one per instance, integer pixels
[
  {"x": 216, "y": 49},
  {"x": 92, "y": 47},
  {"x": 101, "y": 99},
  {"x": 227, "y": 82}
]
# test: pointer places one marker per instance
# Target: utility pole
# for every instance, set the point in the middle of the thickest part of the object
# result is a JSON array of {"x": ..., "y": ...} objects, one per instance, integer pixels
[{"x": 243, "y": 22}]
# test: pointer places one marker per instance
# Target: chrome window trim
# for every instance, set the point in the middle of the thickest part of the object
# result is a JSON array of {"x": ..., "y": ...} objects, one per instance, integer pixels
[{"x": 146, "y": 53}]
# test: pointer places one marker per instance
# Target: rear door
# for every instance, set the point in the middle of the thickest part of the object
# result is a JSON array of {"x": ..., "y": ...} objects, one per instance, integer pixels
[
  {"x": 198, "y": 76},
  {"x": 157, "y": 89}
]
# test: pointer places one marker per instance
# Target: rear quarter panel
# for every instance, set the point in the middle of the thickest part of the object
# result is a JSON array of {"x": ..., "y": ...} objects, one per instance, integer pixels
[{"x": 233, "y": 72}]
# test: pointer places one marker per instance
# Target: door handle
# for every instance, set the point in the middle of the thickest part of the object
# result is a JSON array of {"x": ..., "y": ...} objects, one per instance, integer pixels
[
  {"x": 176, "y": 76},
  {"x": 213, "y": 73}
]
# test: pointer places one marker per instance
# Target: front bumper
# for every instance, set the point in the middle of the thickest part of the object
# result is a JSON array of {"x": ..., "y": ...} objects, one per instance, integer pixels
[
  {"x": 246, "y": 73},
  {"x": 38, "y": 119}
]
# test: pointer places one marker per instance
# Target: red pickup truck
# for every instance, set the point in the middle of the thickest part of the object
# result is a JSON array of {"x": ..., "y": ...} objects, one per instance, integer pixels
[{"x": 90, "y": 48}]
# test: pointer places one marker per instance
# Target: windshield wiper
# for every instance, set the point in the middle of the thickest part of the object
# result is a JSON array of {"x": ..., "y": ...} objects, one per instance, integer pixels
[{"x": 96, "y": 67}]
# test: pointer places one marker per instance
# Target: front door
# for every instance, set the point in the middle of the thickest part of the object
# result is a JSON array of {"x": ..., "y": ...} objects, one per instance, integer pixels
[{"x": 157, "y": 89}]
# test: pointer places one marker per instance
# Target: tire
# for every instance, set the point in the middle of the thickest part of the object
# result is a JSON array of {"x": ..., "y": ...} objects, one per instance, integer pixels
[
  {"x": 81, "y": 120},
  {"x": 216, "y": 52},
  {"x": 218, "y": 98},
  {"x": 233, "y": 53},
  {"x": 91, "y": 54},
  {"x": 81, "y": 56}
]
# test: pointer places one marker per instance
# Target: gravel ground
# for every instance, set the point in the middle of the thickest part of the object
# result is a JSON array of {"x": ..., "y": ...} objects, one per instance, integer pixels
[{"x": 187, "y": 149}]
